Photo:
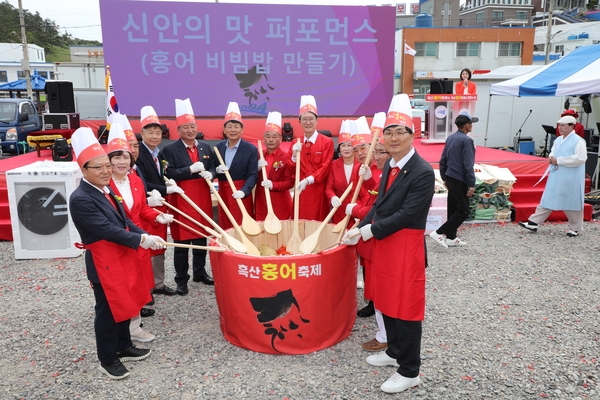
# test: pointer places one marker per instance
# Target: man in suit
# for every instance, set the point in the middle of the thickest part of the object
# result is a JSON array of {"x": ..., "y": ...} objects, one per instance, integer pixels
[
  {"x": 241, "y": 160},
  {"x": 394, "y": 228},
  {"x": 315, "y": 163},
  {"x": 111, "y": 260},
  {"x": 151, "y": 166},
  {"x": 189, "y": 163},
  {"x": 280, "y": 173}
]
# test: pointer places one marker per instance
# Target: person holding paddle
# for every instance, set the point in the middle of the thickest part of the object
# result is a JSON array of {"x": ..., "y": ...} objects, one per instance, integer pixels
[
  {"x": 189, "y": 162},
  {"x": 241, "y": 160},
  {"x": 111, "y": 241},
  {"x": 280, "y": 173},
  {"x": 343, "y": 170},
  {"x": 315, "y": 164},
  {"x": 394, "y": 228}
]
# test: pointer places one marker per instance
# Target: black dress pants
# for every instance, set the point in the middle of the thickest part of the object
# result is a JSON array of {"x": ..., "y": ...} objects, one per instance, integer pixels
[
  {"x": 180, "y": 258},
  {"x": 404, "y": 344},
  {"x": 458, "y": 207},
  {"x": 111, "y": 336}
]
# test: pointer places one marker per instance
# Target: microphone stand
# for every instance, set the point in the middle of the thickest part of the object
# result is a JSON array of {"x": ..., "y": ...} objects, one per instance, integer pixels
[{"x": 518, "y": 134}]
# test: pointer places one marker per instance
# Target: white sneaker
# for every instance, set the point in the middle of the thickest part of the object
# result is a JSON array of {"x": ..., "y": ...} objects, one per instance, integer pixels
[
  {"x": 439, "y": 239},
  {"x": 455, "y": 242},
  {"x": 398, "y": 383},
  {"x": 140, "y": 335},
  {"x": 381, "y": 359}
]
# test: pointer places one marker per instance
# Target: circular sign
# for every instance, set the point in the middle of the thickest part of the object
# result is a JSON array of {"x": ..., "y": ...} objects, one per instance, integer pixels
[
  {"x": 43, "y": 211},
  {"x": 441, "y": 112}
]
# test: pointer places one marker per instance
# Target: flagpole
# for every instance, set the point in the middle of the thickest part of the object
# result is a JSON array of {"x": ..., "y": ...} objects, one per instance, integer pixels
[{"x": 403, "y": 66}]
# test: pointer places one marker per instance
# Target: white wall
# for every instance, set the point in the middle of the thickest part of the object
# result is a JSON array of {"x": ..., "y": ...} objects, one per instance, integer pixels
[
  {"x": 14, "y": 52},
  {"x": 83, "y": 75}
]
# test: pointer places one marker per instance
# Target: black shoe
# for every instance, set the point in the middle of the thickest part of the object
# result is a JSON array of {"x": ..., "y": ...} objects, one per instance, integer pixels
[
  {"x": 529, "y": 226},
  {"x": 207, "y": 280},
  {"x": 366, "y": 311},
  {"x": 115, "y": 371},
  {"x": 147, "y": 312},
  {"x": 182, "y": 289},
  {"x": 133, "y": 354},
  {"x": 165, "y": 290},
  {"x": 151, "y": 302}
]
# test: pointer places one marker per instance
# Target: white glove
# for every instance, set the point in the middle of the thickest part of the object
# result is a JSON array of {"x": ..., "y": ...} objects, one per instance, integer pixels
[
  {"x": 349, "y": 208},
  {"x": 262, "y": 163},
  {"x": 238, "y": 194},
  {"x": 152, "y": 242},
  {"x": 222, "y": 168},
  {"x": 302, "y": 185},
  {"x": 164, "y": 218},
  {"x": 267, "y": 184},
  {"x": 351, "y": 237},
  {"x": 366, "y": 233},
  {"x": 171, "y": 182},
  {"x": 206, "y": 175},
  {"x": 174, "y": 189},
  {"x": 155, "y": 199},
  {"x": 197, "y": 167},
  {"x": 297, "y": 147},
  {"x": 365, "y": 172},
  {"x": 335, "y": 201}
]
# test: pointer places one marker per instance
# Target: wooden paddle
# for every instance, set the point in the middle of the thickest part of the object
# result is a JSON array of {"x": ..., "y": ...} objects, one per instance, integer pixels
[
  {"x": 250, "y": 247},
  {"x": 232, "y": 242},
  {"x": 309, "y": 244},
  {"x": 338, "y": 242},
  {"x": 249, "y": 225},
  {"x": 206, "y": 228},
  {"x": 193, "y": 246},
  {"x": 189, "y": 228},
  {"x": 341, "y": 226},
  {"x": 272, "y": 224},
  {"x": 293, "y": 245}
]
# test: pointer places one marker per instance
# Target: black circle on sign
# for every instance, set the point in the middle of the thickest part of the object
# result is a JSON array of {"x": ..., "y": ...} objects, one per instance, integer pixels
[{"x": 43, "y": 211}]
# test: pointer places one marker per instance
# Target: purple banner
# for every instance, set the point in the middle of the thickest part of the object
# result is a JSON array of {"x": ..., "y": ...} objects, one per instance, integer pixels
[{"x": 264, "y": 57}]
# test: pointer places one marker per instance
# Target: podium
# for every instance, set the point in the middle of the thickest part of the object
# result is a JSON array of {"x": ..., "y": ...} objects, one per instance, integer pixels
[{"x": 443, "y": 109}]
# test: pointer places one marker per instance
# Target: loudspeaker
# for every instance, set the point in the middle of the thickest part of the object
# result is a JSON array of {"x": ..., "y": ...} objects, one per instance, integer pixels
[
  {"x": 439, "y": 86},
  {"x": 60, "y": 96},
  {"x": 38, "y": 196}
]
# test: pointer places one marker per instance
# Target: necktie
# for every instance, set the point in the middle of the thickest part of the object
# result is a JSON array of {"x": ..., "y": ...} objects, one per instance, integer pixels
[
  {"x": 307, "y": 146},
  {"x": 394, "y": 172},
  {"x": 111, "y": 200},
  {"x": 156, "y": 163},
  {"x": 193, "y": 154}
]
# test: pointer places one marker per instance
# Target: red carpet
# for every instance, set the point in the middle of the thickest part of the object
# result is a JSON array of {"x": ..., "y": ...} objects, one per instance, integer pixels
[{"x": 527, "y": 169}]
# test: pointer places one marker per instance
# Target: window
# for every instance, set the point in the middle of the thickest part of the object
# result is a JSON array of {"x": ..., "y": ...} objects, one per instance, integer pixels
[
  {"x": 20, "y": 74},
  {"x": 497, "y": 15},
  {"x": 467, "y": 49},
  {"x": 509, "y": 49},
  {"x": 3, "y": 76},
  {"x": 522, "y": 15},
  {"x": 479, "y": 18},
  {"x": 559, "y": 48},
  {"x": 43, "y": 74},
  {"x": 425, "y": 49},
  {"x": 27, "y": 109}
]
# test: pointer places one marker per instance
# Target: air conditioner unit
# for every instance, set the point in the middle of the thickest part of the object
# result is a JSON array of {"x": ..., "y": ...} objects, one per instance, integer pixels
[{"x": 38, "y": 196}]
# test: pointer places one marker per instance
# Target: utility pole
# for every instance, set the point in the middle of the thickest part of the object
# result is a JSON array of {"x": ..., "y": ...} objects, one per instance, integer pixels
[
  {"x": 25, "y": 61},
  {"x": 549, "y": 32}
]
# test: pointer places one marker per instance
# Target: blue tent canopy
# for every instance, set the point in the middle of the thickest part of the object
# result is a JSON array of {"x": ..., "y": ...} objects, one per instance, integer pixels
[
  {"x": 575, "y": 74},
  {"x": 38, "y": 83}
]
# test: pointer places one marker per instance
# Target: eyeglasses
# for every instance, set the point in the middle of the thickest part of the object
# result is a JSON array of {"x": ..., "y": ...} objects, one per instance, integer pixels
[
  {"x": 99, "y": 168},
  {"x": 389, "y": 134},
  {"x": 380, "y": 153},
  {"x": 308, "y": 119}
]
